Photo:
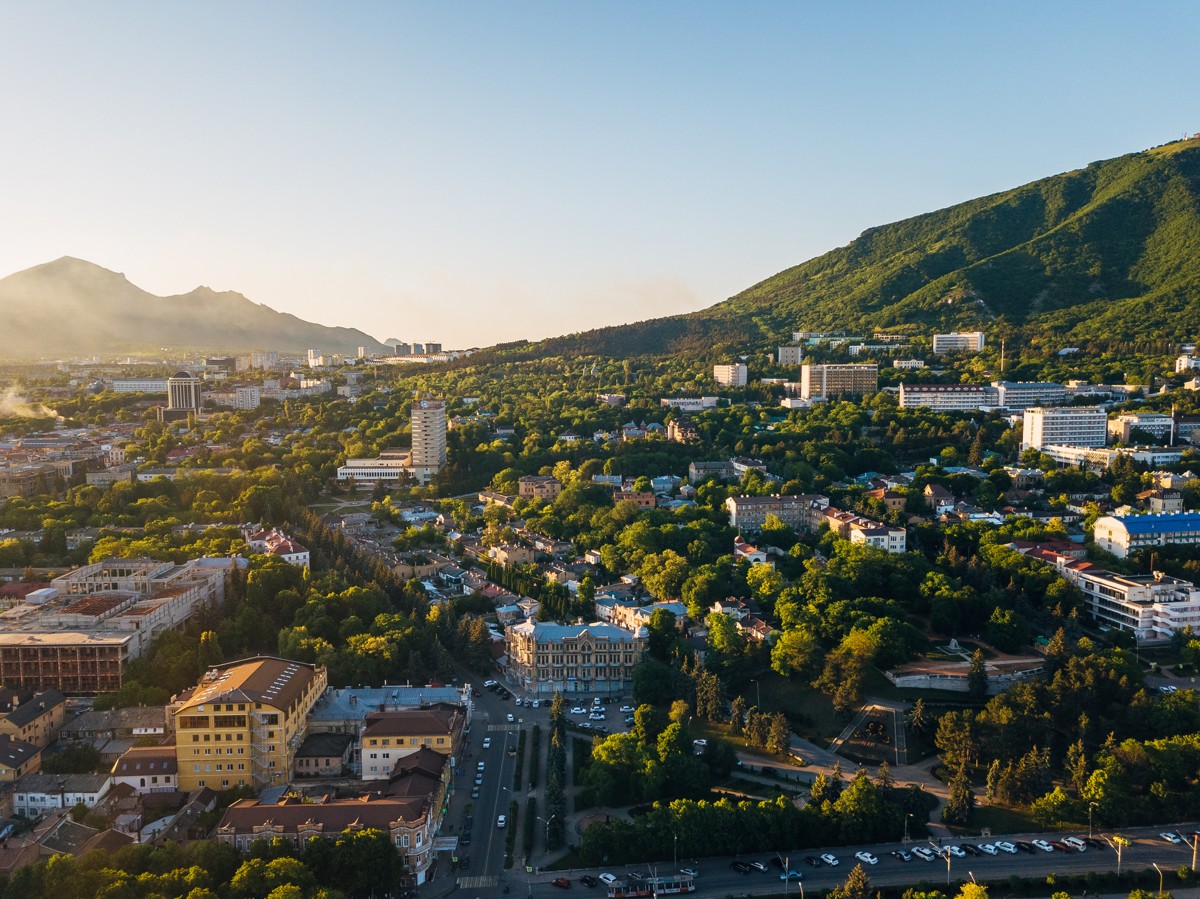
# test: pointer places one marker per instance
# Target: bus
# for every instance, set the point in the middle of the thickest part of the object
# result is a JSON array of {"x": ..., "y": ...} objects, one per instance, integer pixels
[{"x": 653, "y": 886}]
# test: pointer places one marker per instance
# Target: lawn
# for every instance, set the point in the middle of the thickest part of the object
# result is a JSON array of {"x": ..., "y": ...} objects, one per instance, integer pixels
[
  {"x": 997, "y": 819},
  {"x": 809, "y": 711}
]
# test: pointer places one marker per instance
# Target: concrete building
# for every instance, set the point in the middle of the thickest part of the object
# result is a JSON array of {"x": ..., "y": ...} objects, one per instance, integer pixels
[
  {"x": 139, "y": 385},
  {"x": 1151, "y": 606},
  {"x": 733, "y": 375},
  {"x": 1102, "y": 458},
  {"x": 682, "y": 430},
  {"x": 1018, "y": 395},
  {"x": 1186, "y": 363},
  {"x": 539, "y": 486},
  {"x": 1081, "y": 426},
  {"x": 1157, "y": 425},
  {"x": 908, "y": 364},
  {"x": 242, "y": 724},
  {"x": 801, "y": 513},
  {"x": 388, "y": 737},
  {"x": 184, "y": 393},
  {"x": 324, "y": 755},
  {"x": 790, "y": 355},
  {"x": 36, "y": 794},
  {"x": 830, "y": 381},
  {"x": 247, "y": 398},
  {"x": 148, "y": 769},
  {"x": 573, "y": 658},
  {"x": 18, "y": 758},
  {"x": 1123, "y": 534},
  {"x": 949, "y": 397},
  {"x": 368, "y": 472},
  {"x": 958, "y": 342},
  {"x": 428, "y": 438},
  {"x": 690, "y": 403}
]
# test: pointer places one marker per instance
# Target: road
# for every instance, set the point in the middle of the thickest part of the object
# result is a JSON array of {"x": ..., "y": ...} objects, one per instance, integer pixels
[{"x": 717, "y": 879}]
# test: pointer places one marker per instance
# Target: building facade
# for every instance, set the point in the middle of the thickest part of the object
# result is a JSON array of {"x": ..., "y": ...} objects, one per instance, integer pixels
[
  {"x": 732, "y": 375},
  {"x": 242, "y": 724},
  {"x": 949, "y": 397},
  {"x": 1018, "y": 395},
  {"x": 573, "y": 658},
  {"x": 428, "y": 438},
  {"x": 1123, "y": 534},
  {"x": 388, "y": 737},
  {"x": 958, "y": 342},
  {"x": 1084, "y": 426},
  {"x": 801, "y": 513},
  {"x": 790, "y": 355},
  {"x": 829, "y": 381}
]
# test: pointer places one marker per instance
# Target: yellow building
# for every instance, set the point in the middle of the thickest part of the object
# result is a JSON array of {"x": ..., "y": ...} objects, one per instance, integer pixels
[{"x": 242, "y": 724}]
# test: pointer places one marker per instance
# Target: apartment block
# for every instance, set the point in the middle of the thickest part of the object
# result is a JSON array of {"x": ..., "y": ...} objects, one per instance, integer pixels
[
  {"x": 958, "y": 342},
  {"x": 387, "y": 737},
  {"x": 242, "y": 724},
  {"x": 1018, "y": 395},
  {"x": 949, "y": 397},
  {"x": 428, "y": 438},
  {"x": 790, "y": 355},
  {"x": 1151, "y": 606},
  {"x": 1123, "y": 534},
  {"x": 573, "y": 658},
  {"x": 733, "y": 375},
  {"x": 830, "y": 381},
  {"x": 1082, "y": 426},
  {"x": 1155, "y": 424},
  {"x": 801, "y": 513}
]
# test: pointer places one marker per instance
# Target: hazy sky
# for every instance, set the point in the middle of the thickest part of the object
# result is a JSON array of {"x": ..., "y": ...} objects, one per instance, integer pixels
[{"x": 476, "y": 172}]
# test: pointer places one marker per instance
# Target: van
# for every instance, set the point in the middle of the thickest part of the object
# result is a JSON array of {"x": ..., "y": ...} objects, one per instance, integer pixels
[{"x": 1075, "y": 843}]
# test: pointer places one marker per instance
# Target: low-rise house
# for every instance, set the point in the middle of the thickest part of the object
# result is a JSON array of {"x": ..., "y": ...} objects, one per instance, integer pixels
[
  {"x": 539, "y": 486},
  {"x": 148, "y": 769},
  {"x": 939, "y": 498},
  {"x": 36, "y": 794},
  {"x": 749, "y": 552},
  {"x": 388, "y": 737},
  {"x": 511, "y": 554},
  {"x": 324, "y": 755},
  {"x": 641, "y": 500},
  {"x": 33, "y": 717},
  {"x": 18, "y": 758}
]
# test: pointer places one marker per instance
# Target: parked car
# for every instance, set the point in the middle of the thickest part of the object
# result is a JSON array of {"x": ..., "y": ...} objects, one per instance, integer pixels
[
  {"x": 922, "y": 853},
  {"x": 1062, "y": 846},
  {"x": 830, "y": 860},
  {"x": 628, "y": 709},
  {"x": 866, "y": 857},
  {"x": 1096, "y": 844},
  {"x": 970, "y": 849},
  {"x": 1005, "y": 846},
  {"x": 537, "y": 703},
  {"x": 479, "y": 767},
  {"x": 988, "y": 848},
  {"x": 578, "y": 710},
  {"x": 1173, "y": 838},
  {"x": 596, "y": 716},
  {"x": 502, "y": 821},
  {"x": 510, "y": 718},
  {"x": 478, "y": 780},
  {"x": 1043, "y": 845},
  {"x": 562, "y": 883},
  {"x": 758, "y": 866},
  {"x": 608, "y": 878},
  {"x": 1026, "y": 846},
  {"x": 517, "y": 701},
  {"x": 588, "y": 880},
  {"x": 740, "y": 866},
  {"x": 811, "y": 860},
  {"x": 956, "y": 851},
  {"x": 790, "y": 875},
  {"x": 901, "y": 855}
]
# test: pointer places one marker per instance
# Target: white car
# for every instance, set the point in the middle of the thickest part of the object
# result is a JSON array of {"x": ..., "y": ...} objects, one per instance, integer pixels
[
  {"x": 596, "y": 716},
  {"x": 480, "y": 766},
  {"x": 866, "y": 857},
  {"x": 502, "y": 821},
  {"x": 487, "y": 743},
  {"x": 1043, "y": 845},
  {"x": 1172, "y": 838},
  {"x": 479, "y": 780},
  {"x": 518, "y": 701},
  {"x": 988, "y": 848},
  {"x": 628, "y": 709},
  {"x": 579, "y": 710},
  {"x": 510, "y": 717},
  {"x": 690, "y": 872},
  {"x": 1005, "y": 846},
  {"x": 925, "y": 854},
  {"x": 830, "y": 860},
  {"x": 956, "y": 852},
  {"x": 537, "y": 703},
  {"x": 608, "y": 879}
]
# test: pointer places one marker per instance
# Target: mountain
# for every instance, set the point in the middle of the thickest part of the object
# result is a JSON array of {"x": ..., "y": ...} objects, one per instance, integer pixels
[
  {"x": 71, "y": 306},
  {"x": 1110, "y": 251}
]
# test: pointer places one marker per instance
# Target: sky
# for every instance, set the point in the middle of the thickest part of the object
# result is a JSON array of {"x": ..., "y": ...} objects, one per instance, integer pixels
[{"x": 471, "y": 173}]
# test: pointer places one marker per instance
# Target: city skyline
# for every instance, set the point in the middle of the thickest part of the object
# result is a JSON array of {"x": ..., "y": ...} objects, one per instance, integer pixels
[{"x": 479, "y": 174}]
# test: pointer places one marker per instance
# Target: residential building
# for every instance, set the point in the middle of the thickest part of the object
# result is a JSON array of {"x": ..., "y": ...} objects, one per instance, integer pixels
[
  {"x": 682, "y": 430},
  {"x": 1161, "y": 500},
  {"x": 148, "y": 769},
  {"x": 791, "y": 355},
  {"x": 908, "y": 364},
  {"x": 939, "y": 498},
  {"x": 881, "y": 536},
  {"x": 408, "y": 809},
  {"x": 721, "y": 470},
  {"x": 32, "y": 717},
  {"x": 276, "y": 543},
  {"x": 242, "y": 724},
  {"x": 690, "y": 403},
  {"x": 539, "y": 486},
  {"x": 892, "y": 501},
  {"x": 324, "y": 755},
  {"x": 732, "y": 375},
  {"x": 631, "y": 617},
  {"x": 573, "y": 658},
  {"x": 36, "y": 794},
  {"x": 387, "y": 737},
  {"x": 1157, "y": 425},
  {"x": 801, "y": 513},
  {"x": 512, "y": 554},
  {"x": 388, "y": 468},
  {"x": 830, "y": 381},
  {"x": 747, "y": 551},
  {"x": 1151, "y": 606},
  {"x": 247, "y": 397},
  {"x": 958, "y": 342},
  {"x": 949, "y": 397},
  {"x": 1018, "y": 395},
  {"x": 1186, "y": 363},
  {"x": 342, "y": 710},
  {"x": 1080, "y": 426},
  {"x": 1124, "y": 534},
  {"x": 428, "y": 438},
  {"x": 642, "y": 499},
  {"x": 611, "y": 399},
  {"x": 1101, "y": 458},
  {"x": 18, "y": 758}
]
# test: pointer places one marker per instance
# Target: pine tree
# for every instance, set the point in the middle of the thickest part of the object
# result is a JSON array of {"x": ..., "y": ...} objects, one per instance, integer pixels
[
  {"x": 737, "y": 716},
  {"x": 857, "y": 886},
  {"x": 960, "y": 800},
  {"x": 977, "y": 677},
  {"x": 779, "y": 735},
  {"x": 1077, "y": 766},
  {"x": 885, "y": 776},
  {"x": 917, "y": 719}
]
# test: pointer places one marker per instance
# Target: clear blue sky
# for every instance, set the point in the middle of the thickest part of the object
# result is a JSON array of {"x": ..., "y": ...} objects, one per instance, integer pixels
[{"x": 476, "y": 172}]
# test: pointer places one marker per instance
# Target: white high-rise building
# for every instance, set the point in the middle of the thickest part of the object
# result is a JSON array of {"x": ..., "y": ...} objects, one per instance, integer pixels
[
  {"x": 183, "y": 392},
  {"x": 956, "y": 342},
  {"x": 733, "y": 375},
  {"x": 1085, "y": 426},
  {"x": 428, "y": 438}
]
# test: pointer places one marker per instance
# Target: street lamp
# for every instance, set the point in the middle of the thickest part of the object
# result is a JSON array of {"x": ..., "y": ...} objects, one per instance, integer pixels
[
  {"x": 1120, "y": 842},
  {"x": 906, "y": 817},
  {"x": 676, "y": 836},
  {"x": 1091, "y": 808},
  {"x": 758, "y": 692},
  {"x": 1160, "y": 878}
]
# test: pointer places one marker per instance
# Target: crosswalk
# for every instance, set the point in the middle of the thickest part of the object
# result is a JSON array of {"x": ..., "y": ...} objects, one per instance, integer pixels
[{"x": 489, "y": 880}]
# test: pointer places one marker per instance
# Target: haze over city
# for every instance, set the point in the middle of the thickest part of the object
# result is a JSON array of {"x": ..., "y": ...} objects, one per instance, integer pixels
[{"x": 475, "y": 173}]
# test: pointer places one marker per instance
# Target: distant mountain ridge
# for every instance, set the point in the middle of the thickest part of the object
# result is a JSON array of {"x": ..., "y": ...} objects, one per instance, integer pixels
[
  {"x": 73, "y": 306},
  {"x": 1110, "y": 251}
]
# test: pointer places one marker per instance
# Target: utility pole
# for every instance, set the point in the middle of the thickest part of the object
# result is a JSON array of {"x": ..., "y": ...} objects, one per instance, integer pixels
[{"x": 1092, "y": 807}]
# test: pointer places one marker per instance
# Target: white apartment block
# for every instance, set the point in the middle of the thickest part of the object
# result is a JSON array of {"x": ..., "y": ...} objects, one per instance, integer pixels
[
  {"x": 791, "y": 355},
  {"x": 428, "y": 438},
  {"x": 1154, "y": 423},
  {"x": 733, "y": 375},
  {"x": 1187, "y": 362},
  {"x": 1018, "y": 395},
  {"x": 1123, "y": 534},
  {"x": 823, "y": 382},
  {"x": 139, "y": 385},
  {"x": 908, "y": 363},
  {"x": 247, "y": 398},
  {"x": 958, "y": 342},
  {"x": 949, "y": 397},
  {"x": 880, "y": 536},
  {"x": 1080, "y": 426},
  {"x": 1102, "y": 458}
]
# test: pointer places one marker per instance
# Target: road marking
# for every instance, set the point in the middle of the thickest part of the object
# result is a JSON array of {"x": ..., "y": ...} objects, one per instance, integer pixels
[{"x": 489, "y": 880}]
